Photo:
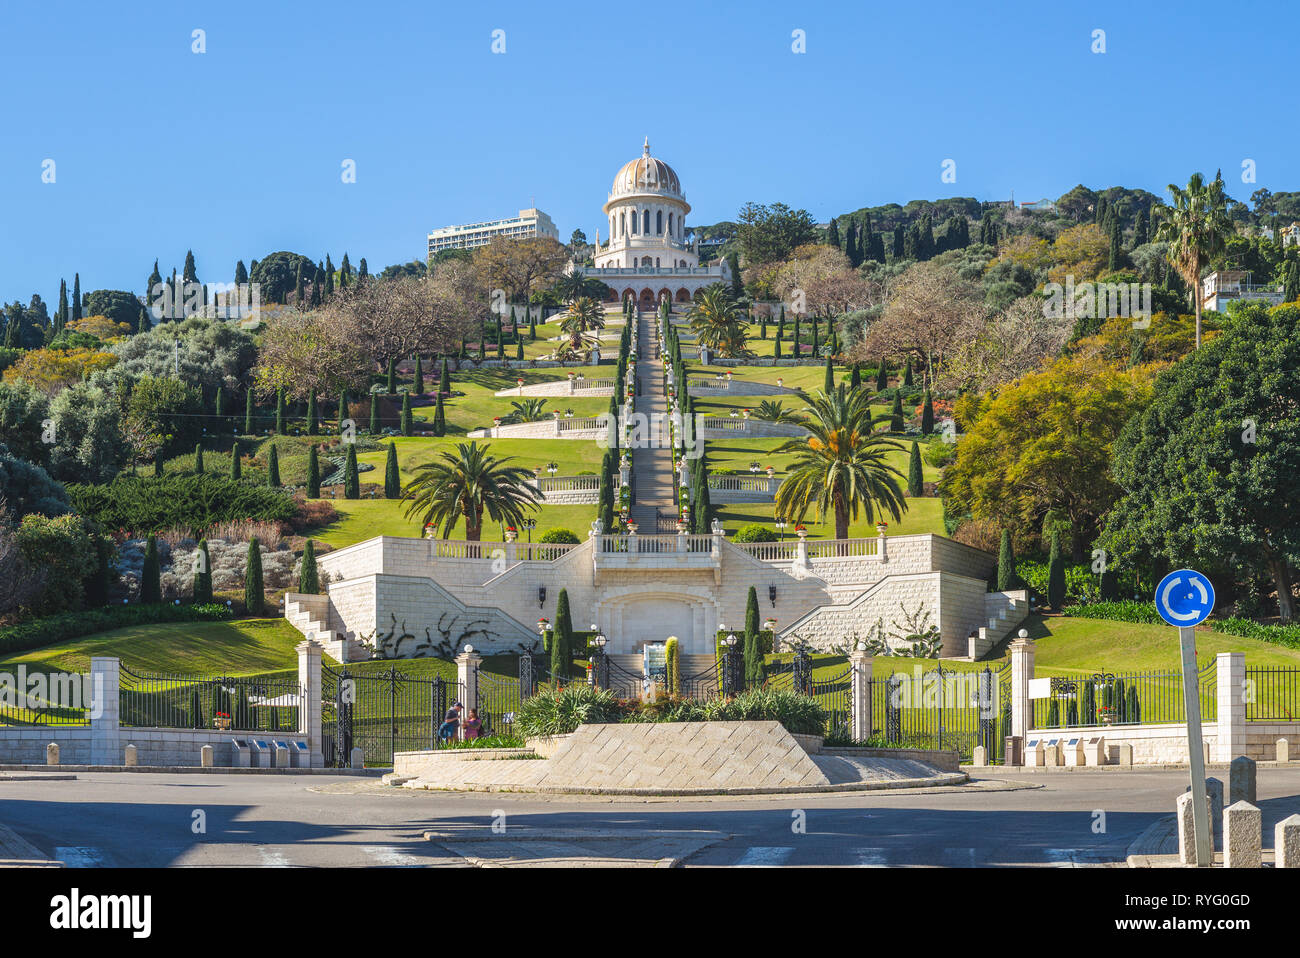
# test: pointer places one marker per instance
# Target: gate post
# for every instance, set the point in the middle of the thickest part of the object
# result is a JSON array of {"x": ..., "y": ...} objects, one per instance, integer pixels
[
  {"x": 105, "y": 699},
  {"x": 467, "y": 675},
  {"x": 1230, "y": 680},
  {"x": 309, "y": 709},
  {"x": 860, "y": 694},
  {"x": 1022, "y": 670}
]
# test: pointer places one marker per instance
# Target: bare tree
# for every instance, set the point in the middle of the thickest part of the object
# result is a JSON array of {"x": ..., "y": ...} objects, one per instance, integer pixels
[
  {"x": 986, "y": 353},
  {"x": 517, "y": 265}
]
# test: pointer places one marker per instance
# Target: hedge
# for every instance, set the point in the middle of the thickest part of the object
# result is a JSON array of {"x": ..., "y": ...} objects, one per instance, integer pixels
[
  {"x": 1124, "y": 610},
  {"x": 72, "y": 625},
  {"x": 151, "y": 504},
  {"x": 1284, "y": 635}
]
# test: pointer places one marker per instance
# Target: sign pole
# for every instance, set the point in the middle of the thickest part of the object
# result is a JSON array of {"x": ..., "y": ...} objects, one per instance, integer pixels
[{"x": 1195, "y": 750}]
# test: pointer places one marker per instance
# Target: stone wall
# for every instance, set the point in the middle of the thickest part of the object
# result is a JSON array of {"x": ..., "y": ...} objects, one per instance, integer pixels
[{"x": 154, "y": 746}]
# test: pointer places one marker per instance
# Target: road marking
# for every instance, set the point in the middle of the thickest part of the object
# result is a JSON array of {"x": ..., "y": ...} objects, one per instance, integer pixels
[
  {"x": 761, "y": 856},
  {"x": 869, "y": 857},
  {"x": 272, "y": 858},
  {"x": 390, "y": 856},
  {"x": 1070, "y": 857},
  {"x": 79, "y": 856}
]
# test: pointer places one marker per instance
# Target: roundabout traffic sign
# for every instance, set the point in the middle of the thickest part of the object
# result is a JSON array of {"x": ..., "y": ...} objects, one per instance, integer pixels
[{"x": 1185, "y": 598}]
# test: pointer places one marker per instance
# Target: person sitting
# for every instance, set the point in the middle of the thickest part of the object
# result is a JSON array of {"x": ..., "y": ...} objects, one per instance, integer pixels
[
  {"x": 473, "y": 727},
  {"x": 450, "y": 722}
]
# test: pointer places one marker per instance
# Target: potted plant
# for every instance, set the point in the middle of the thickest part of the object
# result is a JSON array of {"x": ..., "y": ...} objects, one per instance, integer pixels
[
  {"x": 1106, "y": 714},
  {"x": 221, "y": 721},
  {"x": 881, "y": 527}
]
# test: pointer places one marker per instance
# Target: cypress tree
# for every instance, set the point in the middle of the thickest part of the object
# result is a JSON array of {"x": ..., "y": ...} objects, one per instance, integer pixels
[
  {"x": 794, "y": 338},
  {"x": 313, "y": 473},
  {"x": 1116, "y": 252},
  {"x": 203, "y": 575},
  {"x": 279, "y": 411},
  {"x": 829, "y": 386},
  {"x": 407, "y": 422},
  {"x": 273, "y": 468},
  {"x": 150, "y": 586},
  {"x": 776, "y": 346},
  {"x": 343, "y": 409},
  {"x": 309, "y": 577},
  {"x": 351, "y": 480},
  {"x": 501, "y": 347},
  {"x": 374, "y": 414},
  {"x": 519, "y": 349},
  {"x": 1054, "y": 713},
  {"x": 419, "y": 376},
  {"x": 198, "y": 459},
  {"x": 444, "y": 380},
  {"x": 297, "y": 286},
  {"x": 248, "y": 413},
  {"x": 392, "y": 378},
  {"x": 855, "y": 378},
  {"x": 76, "y": 296},
  {"x": 896, "y": 413},
  {"x": 882, "y": 376},
  {"x": 219, "y": 407},
  {"x": 1006, "y": 562},
  {"x": 392, "y": 479},
  {"x": 236, "y": 470},
  {"x": 1056, "y": 574},
  {"x": 907, "y": 372},
  {"x": 313, "y": 427},
  {"x": 439, "y": 418},
  {"x": 254, "y": 594},
  {"x": 755, "y": 672},
  {"x": 927, "y": 415},
  {"x": 915, "y": 478},
  {"x": 482, "y": 346},
  {"x": 815, "y": 323},
  {"x": 762, "y": 326},
  {"x": 562, "y": 638}
]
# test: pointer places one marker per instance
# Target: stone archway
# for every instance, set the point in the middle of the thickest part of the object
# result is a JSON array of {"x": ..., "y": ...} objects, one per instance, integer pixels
[
  {"x": 611, "y": 294},
  {"x": 633, "y": 615},
  {"x": 665, "y": 295},
  {"x": 647, "y": 299},
  {"x": 683, "y": 295}
]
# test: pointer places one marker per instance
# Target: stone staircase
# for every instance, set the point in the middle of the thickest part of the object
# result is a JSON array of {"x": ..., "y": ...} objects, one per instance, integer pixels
[
  {"x": 655, "y": 478},
  {"x": 1003, "y": 611},
  {"x": 309, "y": 614}
]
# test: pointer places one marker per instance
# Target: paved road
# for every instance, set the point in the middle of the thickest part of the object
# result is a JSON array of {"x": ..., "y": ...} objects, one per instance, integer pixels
[{"x": 116, "y": 819}]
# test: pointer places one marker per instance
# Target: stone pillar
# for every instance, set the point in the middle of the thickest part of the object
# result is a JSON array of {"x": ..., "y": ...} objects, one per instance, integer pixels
[
  {"x": 52, "y": 754},
  {"x": 881, "y": 548},
  {"x": 131, "y": 756},
  {"x": 1283, "y": 750},
  {"x": 1241, "y": 780},
  {"x": 207, "y": 755},
  {"x": 309, "y": 715},
  {"x": 860, "y": 664},
  {"x": 1214, "y": 795},
  {"x": 1186, "y": 832},
  {"x": 1242, "y": 836},
  {"x": 467, "y": 664},
  {"x": 1230, "y": 674},
  {"x": 1022, "y": 670},
  {"x": 105, "y": 746},
  {"x": 510, "y": 546},
  {"x": 1286, "y": 843},
  {"x": 801, "y": 550}
]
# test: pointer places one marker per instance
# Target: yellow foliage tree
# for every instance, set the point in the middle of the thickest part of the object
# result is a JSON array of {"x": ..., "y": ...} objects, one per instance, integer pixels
[
  {"x": 54, "y": 370},
  {"x": 1081, "y": 252}
]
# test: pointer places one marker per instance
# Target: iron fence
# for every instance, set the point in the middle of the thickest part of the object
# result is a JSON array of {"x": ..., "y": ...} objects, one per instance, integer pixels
[
  {"x": 239, "y": 703},
  {"x": 382, "y": 713},
  {"x": 1272, "y": 694},
  {"x": 1130, "y": 698}
]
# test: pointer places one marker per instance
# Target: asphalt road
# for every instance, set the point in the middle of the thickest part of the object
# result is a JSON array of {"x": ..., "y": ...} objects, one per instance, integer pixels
[{"x": 152, "y": 820}]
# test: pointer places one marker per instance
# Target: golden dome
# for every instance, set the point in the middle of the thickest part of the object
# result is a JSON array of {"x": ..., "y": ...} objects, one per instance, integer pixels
[{"x": 646, "y": 173}]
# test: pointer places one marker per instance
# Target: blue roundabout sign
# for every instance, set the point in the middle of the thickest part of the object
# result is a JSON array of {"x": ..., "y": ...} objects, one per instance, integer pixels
[{"x": 1185, "y": 598}]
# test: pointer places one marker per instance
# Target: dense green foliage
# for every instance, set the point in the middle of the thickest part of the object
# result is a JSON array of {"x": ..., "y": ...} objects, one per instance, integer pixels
[{"x": 151, "y": 504}]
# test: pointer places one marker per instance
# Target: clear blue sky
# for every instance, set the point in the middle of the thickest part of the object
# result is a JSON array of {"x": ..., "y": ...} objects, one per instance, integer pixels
[{"x": 237, "y": 152}]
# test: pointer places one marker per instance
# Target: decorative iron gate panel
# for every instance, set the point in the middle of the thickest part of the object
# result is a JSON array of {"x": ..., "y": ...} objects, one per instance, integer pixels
[{"x": 381, "y": 714}]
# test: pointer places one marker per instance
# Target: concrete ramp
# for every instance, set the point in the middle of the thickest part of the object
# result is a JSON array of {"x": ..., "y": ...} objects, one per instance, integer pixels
[{"x": 687, "y": 756}]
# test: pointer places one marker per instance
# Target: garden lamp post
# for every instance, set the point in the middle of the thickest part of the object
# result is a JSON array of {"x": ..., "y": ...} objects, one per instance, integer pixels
[
  {"x": 780, "y": 527},
  {"x": 530, "y": 525}
]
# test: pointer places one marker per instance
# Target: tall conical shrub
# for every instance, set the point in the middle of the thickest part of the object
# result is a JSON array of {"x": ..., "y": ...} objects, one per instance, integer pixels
[
  {"x": 907, "y": 372},
  {"x": 219, "y": 410},
  {"x": 444, "y": 379},
  {"x": 896, "y": 413},
  {"x": 313, "y": 425},
  {"x": 351, "y": 479},
  {"x": 248, "y": 413},
  {"x": 392, "y": 478},
  {"x": 392, "y": 378},
  {"x": 374, "y": 414},
  {"x": 915, "y": 477},
  {"x": 562, "y": 639},
  {"x": 418, "y": 386},
  {"x": 273, "y": 468},
  {"x": 254, "y": 595},
  {"x": 882, "y": 377},
  {"x": 408, "y": 423},
  {"x": 313, "y": 473},
  {"x": 236, "y": 470},
  {"x": 150, "y": 585},
  {"x": 855, "y": 378},
  {"x": 1056, "y": 574},
  {"x": 1006, "y": 563},
  {"x": 755, "y": 671},
  {"x": 202, "y": 574},
  {"x": 343, "y": 409},
  {"x": 279, "y": 411},
  {"x": 308, "y": 578},
  {"x": 198, "y": 459},
  {"x": 439, "y": 418},
  {"x": 927, "y": 415},
  {"x": 829, "y": 386}
]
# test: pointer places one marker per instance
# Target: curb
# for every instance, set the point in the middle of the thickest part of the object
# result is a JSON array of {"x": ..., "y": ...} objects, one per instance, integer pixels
[
  {"x": 179, "y": 770},
  {"x": 952, "y": 778},
  {"x": 1151, "y": 843}
]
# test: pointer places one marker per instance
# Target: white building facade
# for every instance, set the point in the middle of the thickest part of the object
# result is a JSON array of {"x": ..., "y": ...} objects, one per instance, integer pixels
[{"x": 529, "y": 223}]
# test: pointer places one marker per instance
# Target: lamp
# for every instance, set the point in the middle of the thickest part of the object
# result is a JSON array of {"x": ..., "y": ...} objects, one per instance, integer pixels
[
  {"x": 731, "y": 640},
  {"x": 1023, "y": 633},
  {"x": 771, "y": 594},
  {"x": 541, "y": 596},
  {"x": 600, "y": 641}
]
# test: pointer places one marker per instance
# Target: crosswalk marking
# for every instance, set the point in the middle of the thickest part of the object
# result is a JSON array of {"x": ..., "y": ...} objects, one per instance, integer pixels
[
  {"x": 390, "y": 856},
  {"x": 79, "y": 856},
  {"x": 272, "y": 858},
  {"x": 760, "y": 856}
]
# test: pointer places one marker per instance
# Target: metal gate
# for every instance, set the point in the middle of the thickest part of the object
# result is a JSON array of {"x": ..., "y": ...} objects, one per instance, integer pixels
[
  {"x": 835, "y": 696},
  {"x": 499, "y": 698},
  {"x": 381, "y": 713},
  {"x": 939, "y": 708}
]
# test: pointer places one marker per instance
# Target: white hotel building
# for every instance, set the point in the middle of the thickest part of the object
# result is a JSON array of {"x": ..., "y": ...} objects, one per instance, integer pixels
[{"x": 529, "y": 222}]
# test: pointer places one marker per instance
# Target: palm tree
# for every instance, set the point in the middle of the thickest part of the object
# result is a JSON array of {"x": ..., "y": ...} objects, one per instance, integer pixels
[
  {"x": 529, "y": 410},
  {"x": 841, "y": 467},
  {"x": 585, "y": 314},
  {"x": 466, "y": 483},
  {"x": 715, "y": 317},
  {"x": 577, "y": 285},
  {"x": 1196, "y": 229},
  {"x": 770, "y": 411}
]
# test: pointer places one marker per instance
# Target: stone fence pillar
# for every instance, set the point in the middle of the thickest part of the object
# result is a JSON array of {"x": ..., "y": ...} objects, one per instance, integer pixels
[
  {"x": 1022, "y": 670},
  {"x": 467, "y": 664},
  {"x": 1230, "y": 681},
  {"x": 105, "y": 711},
  {"x": 309, "y": 715},
  {"x": 860, "y": 691}
]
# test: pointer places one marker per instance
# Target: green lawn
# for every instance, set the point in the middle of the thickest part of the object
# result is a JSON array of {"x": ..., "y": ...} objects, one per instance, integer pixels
[{"x": 364, "y": 519}]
